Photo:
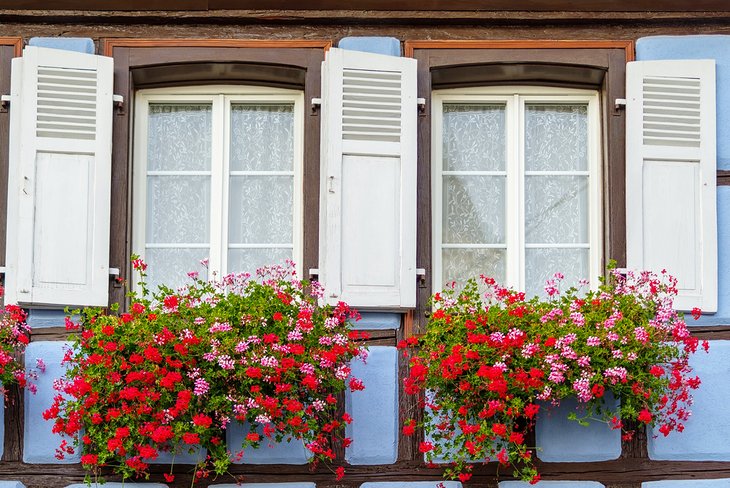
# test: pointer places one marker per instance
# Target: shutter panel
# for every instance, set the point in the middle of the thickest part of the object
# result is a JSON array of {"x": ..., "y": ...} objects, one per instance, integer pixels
[
  {"x": 368, "y": 195},
  {"x": 59, "y": 178},
  {"x": 671, "y": 176}
]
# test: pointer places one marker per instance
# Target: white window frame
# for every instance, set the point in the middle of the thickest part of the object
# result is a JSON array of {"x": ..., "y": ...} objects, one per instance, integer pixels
[
  {"x": 514, "y": 99},
  {"x": 220, "y": 97}
]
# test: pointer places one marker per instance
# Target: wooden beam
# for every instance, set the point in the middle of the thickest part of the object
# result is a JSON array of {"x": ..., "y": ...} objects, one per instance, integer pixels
[{"x": 108, "y": 45}]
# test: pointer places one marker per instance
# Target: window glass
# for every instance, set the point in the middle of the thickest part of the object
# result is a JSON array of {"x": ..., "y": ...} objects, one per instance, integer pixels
[
  {"x": 218, "y": 179},
  {"x": 516, "y": 183}
]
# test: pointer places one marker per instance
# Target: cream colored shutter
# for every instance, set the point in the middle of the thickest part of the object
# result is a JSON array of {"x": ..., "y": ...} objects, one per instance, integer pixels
[
  {"x": 59, "y": 178},
  {"x": 368, "y": 194},
  {"x": 671, "y": 176}
]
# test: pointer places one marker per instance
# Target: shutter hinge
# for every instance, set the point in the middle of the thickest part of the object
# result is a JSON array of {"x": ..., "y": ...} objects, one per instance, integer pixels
[
  {"x": 3, "y": 270},
  {"x": 316, "y": 104},
  {"x": 118, "y": 103},
  {"x": 421, "y": 105},
  {"x": 4, "y": 102},
  {"x": 114, "y": 276},
  {"x": 313, "y": 273},
  {"x": 620, "y": 103},
  {"x": 421, "y": 277}
]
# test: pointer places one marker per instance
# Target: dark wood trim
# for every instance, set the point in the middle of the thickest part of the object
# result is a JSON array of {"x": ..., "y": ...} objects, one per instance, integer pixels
[
  {"x": 16, "y": 42},
  {"x": 107, "y": 45},
  {"x": 386, "y": 5},
  {"x": 723, "y": 177},
  {"x": 410, "y": 46},
  {"x": 10, "y": 47},
  {"x": 14, "y": 419}
]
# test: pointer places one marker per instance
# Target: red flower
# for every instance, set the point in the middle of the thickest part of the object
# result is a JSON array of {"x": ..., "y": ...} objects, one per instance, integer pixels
[
  {"x": 598, "y": 390},
  {"x": 409, "y": 428},
  {"x": 253, "y": 372},
  {"x": 278, "y": 316},
  {"x": 202, "y": 420},
  {"x": 137, "y": 308},
  {"x": 696, "y": 313},
  {"x": 499, "y": 429},
  {"x": 253, "y": 437},
  {"x": 425, "y": 447},
  {"x": 152, "y": 354},
  {"x": 147, "y": 452},
  {"x": 191, "y": 438},
  {"x": 340, "y": 471},
  {"x": 162, "y": 434},
  {"x": 169, "y": 477},
  {"x": 464, "y": 477},
  {"x": 89, "y": 459},
  {"x": 645, "y": 416}
]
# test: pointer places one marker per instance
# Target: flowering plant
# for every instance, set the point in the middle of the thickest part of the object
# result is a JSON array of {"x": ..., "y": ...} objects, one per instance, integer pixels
[
  {"x": 179, "y": 367},
  {"x": 14, "y": 336},
  {"x": 488, "y": 360}
]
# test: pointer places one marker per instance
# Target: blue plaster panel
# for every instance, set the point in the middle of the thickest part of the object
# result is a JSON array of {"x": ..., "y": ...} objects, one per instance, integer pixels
[
  {"x": 267, "y": 485},
  {"x": 374, "y": 430},
  {"x": 706, "y": 432},
  {"x": 551, "y": 484},
  {"x": 411, "y": 484},
  {"x": 78, "y": 44},
  {"x": 377, "y": 321},
  {"x": 562, "y": 440},
  {"x": 722, "y": 317},
  {"x": 11, "y": 484},
  {"x": 39, "y": 442},
  {"x": 39, "y": 319},
  {"x": 377, "y": 45},
  {"x": 270, "y": 451},
  {"x": 699, "y": 47},
  {"x": 721, "y": 483}
]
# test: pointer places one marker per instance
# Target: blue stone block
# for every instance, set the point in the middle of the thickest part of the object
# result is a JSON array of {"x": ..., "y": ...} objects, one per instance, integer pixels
[
  {"x": 11, "y": 484},
  {"x": 721, "y": 483},
  {"x": 707, "y": 430},
  {"x": 267, "y": 485},
  {"x": 377, "y": 45},
  {"x": 551, "y": 484},
  {"x": 377, "y": 321},
  {"x": 411, "y": 484},
  {"x": 374, "y": 430},
  {"x": 722, "y": 316},
  {"x": 78, "y": 44},
  {"x": 270, "y": 451},
  {"x": 40, "y": 443},
  {"x": 39, "y": 319},
  {"x": 715, "y": 47},
  {"x": 562, "y": 440}
]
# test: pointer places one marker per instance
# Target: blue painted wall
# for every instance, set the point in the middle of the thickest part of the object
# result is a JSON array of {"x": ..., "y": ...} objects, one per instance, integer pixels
[
  {"x": 707, "y": 431},
  {"x": 721, "y": 483},
  {"x": 551, "y": 484},
  {"x": 717, "y": 48},
  {"x": 562, "y": 440}
]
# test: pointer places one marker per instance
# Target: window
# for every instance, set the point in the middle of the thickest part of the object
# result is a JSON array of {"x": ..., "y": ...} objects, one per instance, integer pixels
[
  {"x": 218, "y": 176},
  {"x": 516, "y": 185}
]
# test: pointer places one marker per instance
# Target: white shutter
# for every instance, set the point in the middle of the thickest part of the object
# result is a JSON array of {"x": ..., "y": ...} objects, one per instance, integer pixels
[
  {"x": 368, "y": 195},
  {"x": 59, "y": 179},
  {"x": 671, "y": 176}
]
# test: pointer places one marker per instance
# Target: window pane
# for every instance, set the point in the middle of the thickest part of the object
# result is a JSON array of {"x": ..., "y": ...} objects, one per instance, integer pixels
[
  {"x": 542, "y": 264},
  {"x": 462, "y": 264},
  {"x": 474, "y": 137},
  {"x": 261, "y": 209},
  {"x": 178, "y": 209},
  {"x": 249, "y": 260},
  {"x": 556, "y": 137},
  {"x": 556, "y": 209},
  {"x": 179, "y": 137},
  {"x": 171, "y": 266},
  {"x": 473, "y": 209},
  {"x": 262, "y": 137}
]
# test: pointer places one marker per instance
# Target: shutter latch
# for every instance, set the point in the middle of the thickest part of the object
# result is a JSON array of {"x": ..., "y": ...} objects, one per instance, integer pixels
[
  {"x": 4, "y": 103},
  {"x": 421, "y": 105},
  {"x": 316, "y": 104},
  {"x": 620, "y": 103},
  {"x": 421, "y": 277}
]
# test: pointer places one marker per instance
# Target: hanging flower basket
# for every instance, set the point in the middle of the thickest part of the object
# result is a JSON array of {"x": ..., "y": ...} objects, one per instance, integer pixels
[
  {"x": 490, "y": 358},
  {"x": 181, "y": 366}
]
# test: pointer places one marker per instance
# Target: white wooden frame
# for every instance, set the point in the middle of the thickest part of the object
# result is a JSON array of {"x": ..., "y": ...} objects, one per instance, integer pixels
[
  {"x": 514, "y": 99},
  {"x": 221, "y": 98}
]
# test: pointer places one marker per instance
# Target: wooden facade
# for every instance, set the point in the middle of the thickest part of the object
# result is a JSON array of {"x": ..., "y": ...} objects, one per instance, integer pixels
[{"x": 269, "y": 42}]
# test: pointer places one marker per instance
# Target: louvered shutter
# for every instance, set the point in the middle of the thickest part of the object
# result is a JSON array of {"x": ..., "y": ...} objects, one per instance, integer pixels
[
  {"x": 671, "y": 177},
  {"x": 59, "y": 178},
  {"x": 368, "y": 195}
]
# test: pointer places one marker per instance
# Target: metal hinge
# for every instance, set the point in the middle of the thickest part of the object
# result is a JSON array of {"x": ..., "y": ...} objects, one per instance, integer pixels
[
  {"x": 421, "y": 105},
  {"x": 620, "y": 103}
]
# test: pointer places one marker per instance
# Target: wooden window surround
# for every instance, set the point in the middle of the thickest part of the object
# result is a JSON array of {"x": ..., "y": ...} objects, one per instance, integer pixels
[
  {"x": 578, "y": 64},
  {"x": 148, "y": 63}
]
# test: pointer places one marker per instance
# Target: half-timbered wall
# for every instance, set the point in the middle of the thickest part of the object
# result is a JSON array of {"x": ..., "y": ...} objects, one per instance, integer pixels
[{"x": 571, "y": 456}]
